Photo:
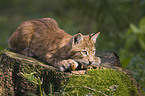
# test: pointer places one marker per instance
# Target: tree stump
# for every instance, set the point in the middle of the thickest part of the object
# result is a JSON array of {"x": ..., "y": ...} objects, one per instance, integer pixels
[{"x": 26, "y": 76}]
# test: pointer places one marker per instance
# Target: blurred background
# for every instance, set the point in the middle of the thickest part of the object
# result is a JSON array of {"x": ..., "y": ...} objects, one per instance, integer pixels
[{"x": 121, "y": 23}]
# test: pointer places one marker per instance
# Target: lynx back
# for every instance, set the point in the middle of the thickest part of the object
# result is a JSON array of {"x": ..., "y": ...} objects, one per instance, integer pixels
[{"x": 43, "y": 38}]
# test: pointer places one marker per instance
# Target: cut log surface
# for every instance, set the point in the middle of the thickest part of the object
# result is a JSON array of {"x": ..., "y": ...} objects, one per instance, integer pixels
[
  {"x": 26, "y": 76},
  {"x": 109, "y": 59}
]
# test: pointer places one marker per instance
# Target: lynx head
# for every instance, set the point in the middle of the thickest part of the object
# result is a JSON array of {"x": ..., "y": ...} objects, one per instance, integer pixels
[{"x": 83, "y": 48}]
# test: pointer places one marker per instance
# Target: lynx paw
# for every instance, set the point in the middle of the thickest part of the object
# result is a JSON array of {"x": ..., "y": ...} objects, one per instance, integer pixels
[
  {"x": 69, "y": 64},
  {"x": 73, "y": 64}
]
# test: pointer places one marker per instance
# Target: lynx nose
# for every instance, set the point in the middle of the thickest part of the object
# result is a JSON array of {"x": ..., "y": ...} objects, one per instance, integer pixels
[{"x": 91, "y": 60}]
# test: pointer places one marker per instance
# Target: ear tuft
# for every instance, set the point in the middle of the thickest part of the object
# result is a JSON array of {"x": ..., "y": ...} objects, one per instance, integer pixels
[
  {"x": 94, "y": 36},
  {"x": 77, "y": 38}
]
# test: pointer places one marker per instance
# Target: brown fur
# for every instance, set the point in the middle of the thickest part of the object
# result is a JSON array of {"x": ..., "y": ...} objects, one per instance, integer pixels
[{"x": 44, "y": 39}]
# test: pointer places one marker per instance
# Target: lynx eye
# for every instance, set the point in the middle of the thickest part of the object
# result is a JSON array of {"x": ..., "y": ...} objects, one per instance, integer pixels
[
  {"x": 84, "y": 53},
  {"x": 93, "y": 52}
]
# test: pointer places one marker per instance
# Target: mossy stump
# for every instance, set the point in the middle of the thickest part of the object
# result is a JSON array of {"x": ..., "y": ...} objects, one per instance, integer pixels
[{"x": 26, "y": 76}]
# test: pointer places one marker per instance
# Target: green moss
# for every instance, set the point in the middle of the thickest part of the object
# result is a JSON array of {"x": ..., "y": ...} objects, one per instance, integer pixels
[
  {"x": 101, "y": 82},
  {"x": 2, "y": 51}
]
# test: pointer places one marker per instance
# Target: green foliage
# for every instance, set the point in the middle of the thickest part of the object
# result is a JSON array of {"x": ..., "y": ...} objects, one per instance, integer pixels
[
  {"x": 138, "y": 33},
  {"x": 136, "y": 65},
  {"x": 134, "y": 40},
  {"x": 111, "y": 17},
  {"x": 36, "y": 80},
  {"x": 31, "y": 77},
  {"x": 133, "y": 52},
  {"x": 125, "y": 62}
]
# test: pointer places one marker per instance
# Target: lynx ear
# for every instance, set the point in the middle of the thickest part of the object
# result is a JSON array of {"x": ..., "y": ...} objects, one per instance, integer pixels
[
  {"x": 76, "y": 39},
  {"x": 94, "y": 36}
]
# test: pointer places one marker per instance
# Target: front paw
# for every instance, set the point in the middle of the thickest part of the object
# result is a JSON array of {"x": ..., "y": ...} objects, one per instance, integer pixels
[
  {"x": 73, "y": 64},
  {"x": 69, "y": 64}
]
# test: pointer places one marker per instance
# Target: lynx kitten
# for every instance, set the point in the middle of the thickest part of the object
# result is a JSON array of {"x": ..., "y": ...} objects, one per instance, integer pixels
[{"x": 44, "y": 39}]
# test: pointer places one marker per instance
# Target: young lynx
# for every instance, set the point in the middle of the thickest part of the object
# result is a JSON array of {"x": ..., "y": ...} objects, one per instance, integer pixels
[{"x": 44, "y": 39}]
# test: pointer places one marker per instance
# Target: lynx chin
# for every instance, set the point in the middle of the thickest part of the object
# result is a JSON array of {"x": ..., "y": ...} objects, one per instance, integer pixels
[{"x": 43, "y": 39}]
